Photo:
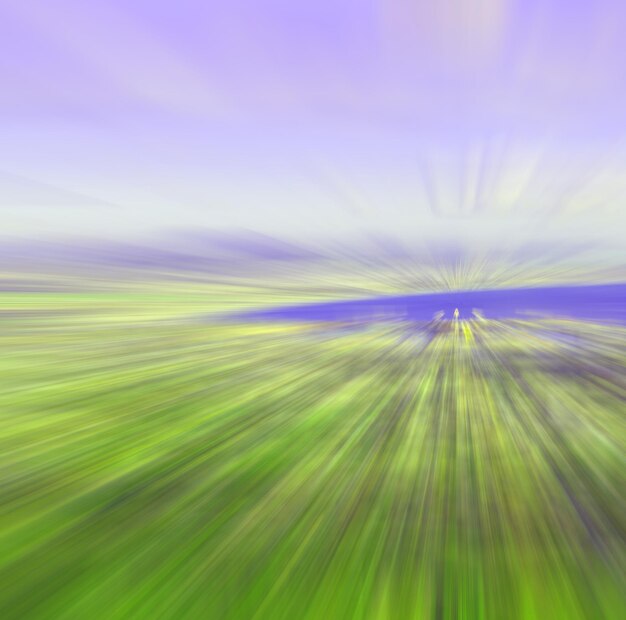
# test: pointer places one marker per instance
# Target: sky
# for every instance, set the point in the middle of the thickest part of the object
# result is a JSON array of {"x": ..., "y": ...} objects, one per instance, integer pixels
[{"x": 481, "y": 117}]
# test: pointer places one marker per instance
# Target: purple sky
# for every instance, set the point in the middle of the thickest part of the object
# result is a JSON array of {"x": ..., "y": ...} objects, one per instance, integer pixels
[{"x": 121, "y": 117}]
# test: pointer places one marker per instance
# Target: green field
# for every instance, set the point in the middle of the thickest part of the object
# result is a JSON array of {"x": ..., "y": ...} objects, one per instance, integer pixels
[{"x": 156, "y": 464}]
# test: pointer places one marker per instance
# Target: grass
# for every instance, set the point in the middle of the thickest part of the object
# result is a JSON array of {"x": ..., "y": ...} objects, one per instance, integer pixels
[{"x": 156, "y": 466}]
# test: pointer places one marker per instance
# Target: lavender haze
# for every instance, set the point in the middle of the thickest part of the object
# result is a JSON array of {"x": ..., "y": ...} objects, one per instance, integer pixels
[{"x": 482, "y": 117}]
